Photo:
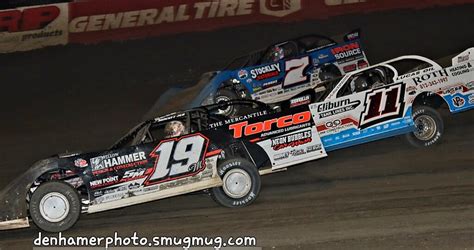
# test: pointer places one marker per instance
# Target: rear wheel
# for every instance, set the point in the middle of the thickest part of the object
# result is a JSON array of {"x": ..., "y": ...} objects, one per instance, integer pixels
[
  {"x": 429, "y": 127},
  {"x": 223, "y": 96},
  {"x": 241, "y": 184},
  {"x": 55, "y": 206}
]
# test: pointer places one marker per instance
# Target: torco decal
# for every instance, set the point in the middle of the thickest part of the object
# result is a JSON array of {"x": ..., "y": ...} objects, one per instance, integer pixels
[{"x": 244, "y": 129}]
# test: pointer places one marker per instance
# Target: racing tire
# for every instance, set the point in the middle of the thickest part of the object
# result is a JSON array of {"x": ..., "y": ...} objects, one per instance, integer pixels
[
  {"x": 225, "y": 95},
  {"x": 241, "y": 184},
  {"x": 55, "y": 206},
  {"x": 429, "y": 127}
]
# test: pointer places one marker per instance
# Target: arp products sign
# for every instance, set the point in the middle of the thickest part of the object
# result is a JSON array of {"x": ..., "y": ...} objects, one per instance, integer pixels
[{"x": 33, "y": 27}]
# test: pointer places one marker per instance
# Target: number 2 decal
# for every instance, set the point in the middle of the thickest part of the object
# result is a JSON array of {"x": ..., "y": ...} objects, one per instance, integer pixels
[
  {"x": 178, "y": 158},
  {"x": 295, "y": 71},
  {"x": 382, "y": 105}
]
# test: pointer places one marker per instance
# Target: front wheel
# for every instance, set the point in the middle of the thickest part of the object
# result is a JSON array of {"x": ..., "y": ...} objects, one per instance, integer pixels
[
  {"x": 429, "y": 127},
  {"x": 55, "y": 206},
  {"x": 241, "y": 184}
]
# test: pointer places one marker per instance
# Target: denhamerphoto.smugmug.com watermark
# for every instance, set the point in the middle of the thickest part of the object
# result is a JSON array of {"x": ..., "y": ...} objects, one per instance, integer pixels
[{"x": 135, "y": 240}]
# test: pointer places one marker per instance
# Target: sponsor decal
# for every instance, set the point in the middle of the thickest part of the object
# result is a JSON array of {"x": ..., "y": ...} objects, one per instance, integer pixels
[
  {"x": 80, "y": 163},
  {"x": 238, "y": 119},
  {"x": 336, "y": 107},
  {"x": 300, "y": 101},
  {"x": 429, "y": 76},
  {"x": 281, "y": 156},
  {"x": 292, "y": 140},
  {"x": 433, "y": 82},
  {"x": 335, "y": 126},
  {"x": 362, "y": 64},
  {"x": 458, "y": 102},
  {"x": 313, "y": 148},
  {"x": 411, "y": 90},
  {"x": 33, "y": 27},
  {"x": 451, "y": 90},
  {"x": 106, "y": 163},
  {"x": 245, "y": 129},
  {"x": 279, "y": 8},
  {"x": 104, "y": 182},
  {"x": 470, "y": 85},
  {"x": 471, "y": 99},
  {"x": 322, "y": 56},
  {"x": 464, "y": 58},
  {"x": 265, "y": 72},
  {"x": 349, "y": 68},
  {"x": 460, "y": 70},
  {"x": 243, "y": 74},
  {"x": 270, "y": 84},
  {"x": 345, "y": 51}
]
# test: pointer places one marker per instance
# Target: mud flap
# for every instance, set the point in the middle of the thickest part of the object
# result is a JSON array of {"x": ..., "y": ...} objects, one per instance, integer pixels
[{"x": 294, "y": 148}]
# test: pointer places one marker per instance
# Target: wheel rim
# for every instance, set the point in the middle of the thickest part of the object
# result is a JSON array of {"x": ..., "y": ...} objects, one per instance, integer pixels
[
  {"x": 425, "y": 127},
  {"x": 54, "y": 207},
  {"x": 221, "y": 99},
  {"x": 237, "y": 183}
]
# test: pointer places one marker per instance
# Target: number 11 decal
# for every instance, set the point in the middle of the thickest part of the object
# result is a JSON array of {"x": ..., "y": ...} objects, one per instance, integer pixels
[
  {"x": 178, "y": 158},
  {"x": 382, "y": 105}
]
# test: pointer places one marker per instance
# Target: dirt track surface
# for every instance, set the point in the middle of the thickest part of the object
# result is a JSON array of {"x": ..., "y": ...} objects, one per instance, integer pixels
[{"x": 379, "y": 195}]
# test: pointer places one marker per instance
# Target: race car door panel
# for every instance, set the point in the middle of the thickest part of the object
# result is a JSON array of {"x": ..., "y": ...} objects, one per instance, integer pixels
[
  {"x": 363, "y": 116},
  {"x": 148, "y": 171}
]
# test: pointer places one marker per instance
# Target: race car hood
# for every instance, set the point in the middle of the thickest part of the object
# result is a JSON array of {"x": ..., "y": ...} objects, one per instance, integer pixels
[{"x": 13, "y": 207}]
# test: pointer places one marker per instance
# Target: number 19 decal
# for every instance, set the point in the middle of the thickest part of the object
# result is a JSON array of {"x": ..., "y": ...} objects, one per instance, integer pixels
[
  {"x": 382, "y": 105},
  {"x": 178, "y": 158}
]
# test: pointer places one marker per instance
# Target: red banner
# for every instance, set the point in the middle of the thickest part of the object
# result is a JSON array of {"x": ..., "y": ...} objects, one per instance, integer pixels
[{"x": 98, "y": 20}]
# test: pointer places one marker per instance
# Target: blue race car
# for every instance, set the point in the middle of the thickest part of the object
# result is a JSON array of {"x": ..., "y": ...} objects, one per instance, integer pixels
[{"x": 283, "y": 70}]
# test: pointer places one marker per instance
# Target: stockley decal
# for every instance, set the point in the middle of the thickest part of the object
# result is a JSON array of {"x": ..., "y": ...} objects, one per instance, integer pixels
[
  {"x": 265, "y": 72},
  {"x": 336, "y": 107}
]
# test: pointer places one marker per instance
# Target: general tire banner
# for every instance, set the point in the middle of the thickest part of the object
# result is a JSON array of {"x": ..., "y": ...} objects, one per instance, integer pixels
[
  {"x": 33, "y": 27},
  {"x": 97, "y": 20},
  {"x": 93, "y": 21}
]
